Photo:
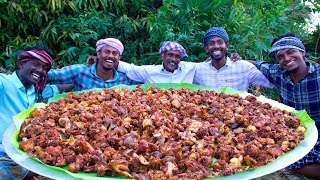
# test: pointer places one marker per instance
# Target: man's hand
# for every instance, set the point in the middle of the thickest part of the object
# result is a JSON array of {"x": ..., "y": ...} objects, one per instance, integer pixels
[
  {"x": 235, "y": 57},
  {"x": 91, "y": 60}
]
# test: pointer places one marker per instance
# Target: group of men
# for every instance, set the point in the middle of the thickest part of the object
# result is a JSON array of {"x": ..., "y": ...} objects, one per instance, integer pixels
[{"x": 296, "y": 80}]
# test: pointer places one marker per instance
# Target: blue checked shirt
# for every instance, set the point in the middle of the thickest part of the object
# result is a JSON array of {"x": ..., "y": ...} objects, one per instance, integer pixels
[
  {"x": 303, "y": 95},
  {"x": 84, "y": 77}
]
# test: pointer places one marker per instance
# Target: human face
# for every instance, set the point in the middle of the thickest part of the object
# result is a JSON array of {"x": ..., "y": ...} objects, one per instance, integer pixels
[
  {"x": 291, "y": 59},
  {"x": 107, "y": 57},
  {"x": 217, "y": 48},
  {"x": 171, "y": 60},
  {"x": 31, "y": 72}
]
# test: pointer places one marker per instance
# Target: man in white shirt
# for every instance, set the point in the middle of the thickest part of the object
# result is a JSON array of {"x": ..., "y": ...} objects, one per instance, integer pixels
[
  {"x": 220, "y": 72},
  {"x": 172, "y": 69}
]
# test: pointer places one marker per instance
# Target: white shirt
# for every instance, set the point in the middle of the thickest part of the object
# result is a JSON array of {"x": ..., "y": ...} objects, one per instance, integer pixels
[
  {"x": 238, "y": 75},
  {"x": 157, "y": 74}
]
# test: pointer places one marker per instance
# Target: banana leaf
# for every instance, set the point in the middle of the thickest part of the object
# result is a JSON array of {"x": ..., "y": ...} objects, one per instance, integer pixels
[{"x": 288, "y": 158}]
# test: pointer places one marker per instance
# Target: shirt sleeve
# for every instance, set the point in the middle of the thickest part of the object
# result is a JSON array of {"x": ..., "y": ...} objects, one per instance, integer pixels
[
  {"x": 256, "y": 77},
  {"x": 265, "y": 68},
  {"x": 136, "y": 73},
  {"x": 50, "y": 91},
  {"x": 195, "y": 78},
  {"x": 1, "y": 85},
  {"x": 65, "y": 75}
]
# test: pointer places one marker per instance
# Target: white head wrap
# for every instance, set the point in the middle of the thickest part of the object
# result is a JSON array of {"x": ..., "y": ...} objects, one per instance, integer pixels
[{"x": 110, "y": 42}]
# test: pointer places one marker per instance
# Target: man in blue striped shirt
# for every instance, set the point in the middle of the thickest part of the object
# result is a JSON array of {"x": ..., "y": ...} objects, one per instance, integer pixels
[
  {"x": 298, "y": 84},
  {"x": 100, "y": 74}
]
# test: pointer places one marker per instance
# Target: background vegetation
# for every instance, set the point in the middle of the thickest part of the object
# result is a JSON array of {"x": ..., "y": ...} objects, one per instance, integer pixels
[{"x": 71, "y": 28}]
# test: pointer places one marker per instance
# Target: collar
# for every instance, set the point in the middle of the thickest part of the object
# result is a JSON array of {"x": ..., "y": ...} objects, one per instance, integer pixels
[
  {"x": 93, "y": 69},
  {"x": 228, "y": 62},
  {"x": 312, "y": 69},
  {"x": 17, "y": 82}
]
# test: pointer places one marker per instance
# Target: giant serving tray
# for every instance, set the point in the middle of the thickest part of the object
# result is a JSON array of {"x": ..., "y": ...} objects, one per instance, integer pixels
[{"x": 11, "y": 145}]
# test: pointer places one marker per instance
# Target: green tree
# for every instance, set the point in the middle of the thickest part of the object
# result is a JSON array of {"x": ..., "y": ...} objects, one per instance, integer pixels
[{"x": 71, "y": 28}]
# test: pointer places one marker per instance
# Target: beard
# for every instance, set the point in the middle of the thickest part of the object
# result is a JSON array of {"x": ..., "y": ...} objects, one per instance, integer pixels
[
  {"x": 293, "y": 71},
  {"x": 218, "y": 58},
  {"x": 107, "y": 68},
  {"x": 103, "y": 66}
]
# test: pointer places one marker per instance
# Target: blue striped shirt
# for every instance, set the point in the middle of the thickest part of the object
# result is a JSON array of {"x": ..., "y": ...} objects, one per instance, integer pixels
[
  {"x": 303, "y": 95},
  {"x": 84, "y": 77}
]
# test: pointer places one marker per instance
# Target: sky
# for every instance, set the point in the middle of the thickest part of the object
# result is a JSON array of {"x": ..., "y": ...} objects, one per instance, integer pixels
[{"x": 314, "y": 20}]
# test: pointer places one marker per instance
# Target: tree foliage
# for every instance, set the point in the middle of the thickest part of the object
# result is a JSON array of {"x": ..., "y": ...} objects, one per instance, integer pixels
[{"x": 71, "y": 28}]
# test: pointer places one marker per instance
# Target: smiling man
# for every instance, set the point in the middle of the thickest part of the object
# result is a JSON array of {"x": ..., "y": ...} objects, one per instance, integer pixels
[
  {"x": 19, "y": 91},
  {"x": 298, "y": 84},
  {"x": 100, "y": 74},
  {"x": 220, "y": 71},
  {"x": 172, "y": 69}
]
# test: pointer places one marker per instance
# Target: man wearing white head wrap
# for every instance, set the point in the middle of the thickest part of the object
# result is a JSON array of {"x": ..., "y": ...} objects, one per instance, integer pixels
[
  {"x": 298, "y": 84},
  {"x": 101, "y": 74},
  {"x": 115, "y": 43}
]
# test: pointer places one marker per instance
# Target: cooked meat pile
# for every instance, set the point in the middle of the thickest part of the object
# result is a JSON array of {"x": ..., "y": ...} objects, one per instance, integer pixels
[{"x": 159, "y": 134}]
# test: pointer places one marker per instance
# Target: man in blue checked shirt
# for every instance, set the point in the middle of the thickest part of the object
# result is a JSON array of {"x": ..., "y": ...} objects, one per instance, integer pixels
[
  {"x": 298, "y": 84},
  {"x": 100, "y": 74}
]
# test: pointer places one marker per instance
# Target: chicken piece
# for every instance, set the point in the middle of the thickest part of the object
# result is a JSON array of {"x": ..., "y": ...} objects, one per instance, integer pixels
[
  {"x": 121, "y": 167},
  {"x": 27, "y": 145},
  {"x": 169, "y": 169}
]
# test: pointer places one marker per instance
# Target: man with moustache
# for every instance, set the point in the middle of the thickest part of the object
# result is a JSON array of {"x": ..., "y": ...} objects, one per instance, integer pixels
[
  {"x": 298, "y": 84},
  {"x": 219, "y": 71},
  {"x": 100, "y": 74},
  {"x": 172, "y": 69}
]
